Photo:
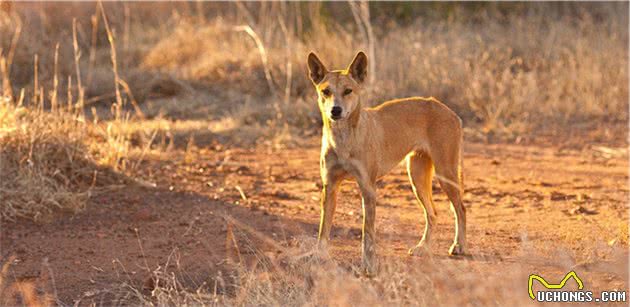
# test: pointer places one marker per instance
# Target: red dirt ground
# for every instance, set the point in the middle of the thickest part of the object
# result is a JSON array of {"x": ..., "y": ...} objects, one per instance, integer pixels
[{"x": 541, "y": 210}]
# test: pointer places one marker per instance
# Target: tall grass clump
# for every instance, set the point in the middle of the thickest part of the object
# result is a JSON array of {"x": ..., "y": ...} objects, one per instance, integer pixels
[
  {"x": 52, "y": 158},
  {"x": 52, "y": 161},
  {"x": 44, "y": 163}
]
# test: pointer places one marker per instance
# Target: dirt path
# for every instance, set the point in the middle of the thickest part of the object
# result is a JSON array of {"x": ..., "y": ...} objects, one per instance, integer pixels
[{"x": 531, "y": 209}]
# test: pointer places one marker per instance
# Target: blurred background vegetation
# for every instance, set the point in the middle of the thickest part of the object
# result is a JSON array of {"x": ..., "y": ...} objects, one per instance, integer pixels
[{"x": 502, "y": 66}]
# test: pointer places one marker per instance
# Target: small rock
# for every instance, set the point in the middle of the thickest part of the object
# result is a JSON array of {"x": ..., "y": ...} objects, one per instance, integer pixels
[
  {"x": 515, "y": 238},
  {"x": 581, "y": 210},
  {"x": 555, "y": 196},
  {"x": 582, "y": 197},
  {"x": 243, "y": 170}
]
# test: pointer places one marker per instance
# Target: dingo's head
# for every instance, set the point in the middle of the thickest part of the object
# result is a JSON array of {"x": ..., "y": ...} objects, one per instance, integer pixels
[{"x": 339, "y": 90}]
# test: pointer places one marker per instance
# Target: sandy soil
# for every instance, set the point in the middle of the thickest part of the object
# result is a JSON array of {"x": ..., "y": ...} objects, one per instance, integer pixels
[{"x": 533, "y": 209}]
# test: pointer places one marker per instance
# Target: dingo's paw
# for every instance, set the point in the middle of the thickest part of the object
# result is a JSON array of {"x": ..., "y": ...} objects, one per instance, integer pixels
[{"x": 456, "y": 249}]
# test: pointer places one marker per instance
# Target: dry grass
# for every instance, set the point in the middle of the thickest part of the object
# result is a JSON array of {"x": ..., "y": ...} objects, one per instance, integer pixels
[
  {"x": 45, "y": 156},
  {"x": 55, "y": 160},
  {"x": 297, "y": 281},
  {"x": 506, "y": 76},
  {"x": 509, "y": 72},
  {"x": 293, "y": 274},
  {"x": 53, "y": 155},
  {"x": 24, "y": 292},
  {"x": 299, "y": 276}
]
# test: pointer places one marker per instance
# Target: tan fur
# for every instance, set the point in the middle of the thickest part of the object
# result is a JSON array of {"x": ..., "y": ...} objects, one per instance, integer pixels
[{"x": 364, "y": 144}]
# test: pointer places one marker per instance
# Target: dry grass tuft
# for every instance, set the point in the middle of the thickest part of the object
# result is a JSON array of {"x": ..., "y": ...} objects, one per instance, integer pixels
[
  {"x": 32, "y": 293},
  {"x": 258, "y": 270},
  {"x": 298, "y": 276},
  {"x": 54, "y": 160}
]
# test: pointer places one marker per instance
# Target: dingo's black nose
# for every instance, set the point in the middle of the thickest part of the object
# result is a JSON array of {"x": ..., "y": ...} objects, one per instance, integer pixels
[{"x": 335, "y": 112}]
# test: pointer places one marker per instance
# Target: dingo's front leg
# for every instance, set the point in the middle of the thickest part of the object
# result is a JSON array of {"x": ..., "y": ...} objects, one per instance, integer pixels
[
  {"x": 368, "y": 244},
  {"x": 331, "y": 178}
]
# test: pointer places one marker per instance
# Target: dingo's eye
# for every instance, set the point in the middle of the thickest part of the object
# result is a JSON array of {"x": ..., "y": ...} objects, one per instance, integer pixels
[
  {"x": 347, "y": 92},
  {"x": 326, "y": 92}
]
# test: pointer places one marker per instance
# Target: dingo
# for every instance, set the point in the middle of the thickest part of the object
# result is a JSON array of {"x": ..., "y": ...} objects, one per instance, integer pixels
[{"x": 364, "y": 144}]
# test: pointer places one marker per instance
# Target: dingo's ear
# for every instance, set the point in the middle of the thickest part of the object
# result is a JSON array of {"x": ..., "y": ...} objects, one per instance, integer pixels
[
  {"x": 316, "y": 70},
  {"x": 358, "y": 67}
]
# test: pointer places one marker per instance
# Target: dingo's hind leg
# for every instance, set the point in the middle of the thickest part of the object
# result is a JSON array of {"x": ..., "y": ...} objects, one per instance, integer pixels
[
  {"x": 448, "y": 173},
  {"x": 420, "y": 170}
]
